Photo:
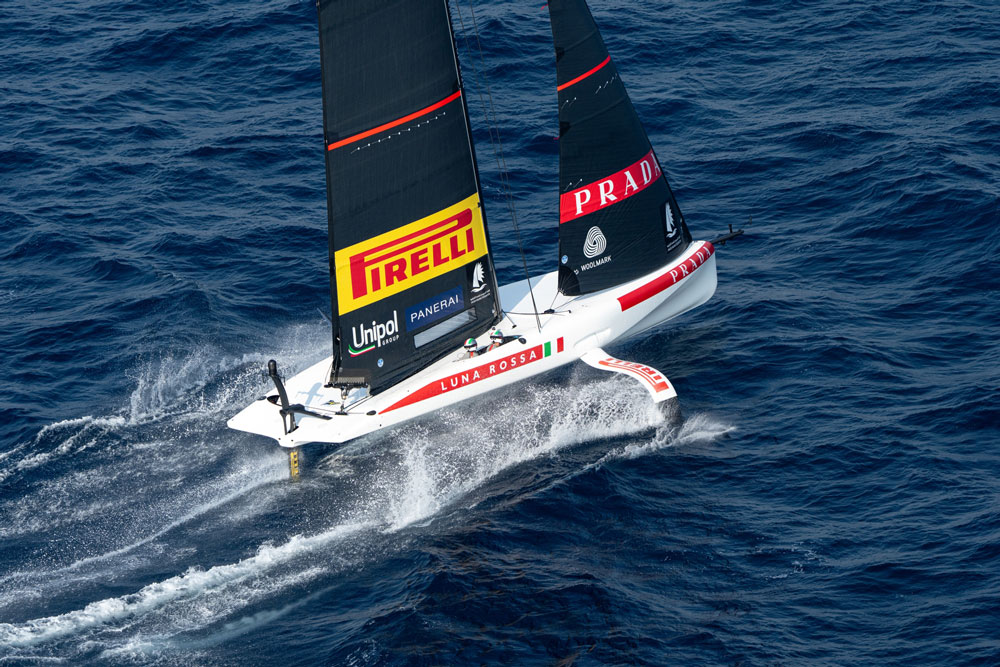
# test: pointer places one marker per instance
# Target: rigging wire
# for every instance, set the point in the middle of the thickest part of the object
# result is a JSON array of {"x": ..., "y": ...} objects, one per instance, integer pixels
[{"x": 497, "y": 145}]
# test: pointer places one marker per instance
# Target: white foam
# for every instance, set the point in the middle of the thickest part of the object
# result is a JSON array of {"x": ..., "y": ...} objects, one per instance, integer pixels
[
  {"x": 175, "y": 386},
  {"x": 193, "y": 583},
  {"x": 699, "y": 428},
  {"x": 88, "y": 426},
  {"x": 173, "y": 390},
  {"x": 55, "y": 508},
  {"x": 271, "y": 473},
  {"x": 483, "y": 444},
  {"x": 416, "y": 471},
  {"x": 158, "y": 644}
]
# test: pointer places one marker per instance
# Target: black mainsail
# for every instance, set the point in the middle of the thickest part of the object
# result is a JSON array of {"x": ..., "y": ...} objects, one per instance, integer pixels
[
  {"x": 618, "y": 219},
  {"x": 410, "y": 265}
]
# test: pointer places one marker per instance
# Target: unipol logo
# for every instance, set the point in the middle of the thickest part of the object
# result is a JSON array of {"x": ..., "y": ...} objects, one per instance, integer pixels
[
  {"x": 367, "y": 338},
  {"x": 615, "y": 188},
  {"x": 478, "y": 278},
  {"x": 595, "y": 244},
  {"x": 407, "y": 256}
]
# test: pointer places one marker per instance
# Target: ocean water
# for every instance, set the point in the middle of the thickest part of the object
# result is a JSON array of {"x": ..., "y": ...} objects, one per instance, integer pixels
[{"x": 828, "y": 495}]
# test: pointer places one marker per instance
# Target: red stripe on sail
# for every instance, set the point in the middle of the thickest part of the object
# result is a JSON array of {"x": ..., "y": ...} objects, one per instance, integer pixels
[
  {"x": 391, "y": 124},
  {"x": 668, "y": 279},
  {"x": 584, "y": 75},
  {"x": 603, "y": 193}
]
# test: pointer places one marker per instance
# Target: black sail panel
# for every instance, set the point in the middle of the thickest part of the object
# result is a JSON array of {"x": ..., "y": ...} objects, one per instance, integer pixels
[
  {"x": 618, "y": 219},
  {"x": 410, "y": 268}
]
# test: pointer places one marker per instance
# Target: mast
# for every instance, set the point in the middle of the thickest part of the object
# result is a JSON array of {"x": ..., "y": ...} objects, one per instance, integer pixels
[
  {"x": 411, "y": 273},
  {"x": 618, "y": 218},
  {"x": 491, "y": 273}
]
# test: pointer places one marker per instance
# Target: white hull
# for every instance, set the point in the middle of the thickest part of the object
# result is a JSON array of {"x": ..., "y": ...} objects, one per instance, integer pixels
[{"x": 580, "y": 325}]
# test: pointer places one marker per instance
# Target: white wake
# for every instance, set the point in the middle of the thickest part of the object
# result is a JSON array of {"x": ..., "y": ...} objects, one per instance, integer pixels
[{"x": 400, "y": 479}]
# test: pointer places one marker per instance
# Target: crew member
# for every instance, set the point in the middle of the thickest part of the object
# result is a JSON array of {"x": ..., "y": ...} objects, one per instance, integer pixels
[
  {"x": 470, "y": 347},
  {"x": 496, "y": 340}
]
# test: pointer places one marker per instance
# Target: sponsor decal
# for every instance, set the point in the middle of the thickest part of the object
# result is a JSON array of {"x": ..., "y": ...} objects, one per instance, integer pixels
[
  {"x": 478, "y": 278},
  {"x": 434, "y": 309},
  {"x": 668, "y": 279},
  {"x": 595, "y": 244},
  {"x": 674, "y": 239},
  {"x": 615, "y": 188},
  {"x": 650, "y": 376},
  {"x": 480, "y": 373},
  {"x": 595, "y": 263},
  {"x": 480, "y": 286},
  {"x": 365, "y": 339},
  {"x": 407, "y": 256},
  {"x": 668, "y": 216}
]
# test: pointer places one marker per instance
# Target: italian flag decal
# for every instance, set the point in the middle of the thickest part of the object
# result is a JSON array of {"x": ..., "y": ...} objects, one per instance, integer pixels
[
  {"x": 355, "y": 353},
  {"x": 479, "y": 373}
]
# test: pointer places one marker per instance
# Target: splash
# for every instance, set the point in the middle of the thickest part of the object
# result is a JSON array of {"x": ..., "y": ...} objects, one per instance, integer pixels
[
  {"x": 698, "y": 428},
  {"x": 437, "y": 468},
  {"x": 169, "y": 393},
  {"x": 400, "y": 479},
  {"x": 208, "y": 381}
]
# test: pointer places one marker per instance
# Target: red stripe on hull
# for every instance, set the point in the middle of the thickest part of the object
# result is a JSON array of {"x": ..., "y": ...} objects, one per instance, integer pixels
[
  {"x": 477, "y": 374},
  {"x": 391, "y": 124},
  {"x": 668, "y": 279}
]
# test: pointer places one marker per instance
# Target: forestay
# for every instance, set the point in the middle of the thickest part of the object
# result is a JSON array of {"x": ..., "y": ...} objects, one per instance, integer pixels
[
  {"x": 618, "y": 218},
  {"x": 410, "y": 267}
]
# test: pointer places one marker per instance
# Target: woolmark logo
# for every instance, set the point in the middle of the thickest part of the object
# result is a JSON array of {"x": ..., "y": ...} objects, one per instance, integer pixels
[
  {"x": 397, "y": 260},
  {"x": 595, "y": 244},
  {"x": 365, "y": 339},
  {"x": 615, "y": 188}
]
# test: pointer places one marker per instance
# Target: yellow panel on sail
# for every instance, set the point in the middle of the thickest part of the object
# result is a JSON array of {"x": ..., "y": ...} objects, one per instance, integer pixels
[{"x": 407, "y": 256}]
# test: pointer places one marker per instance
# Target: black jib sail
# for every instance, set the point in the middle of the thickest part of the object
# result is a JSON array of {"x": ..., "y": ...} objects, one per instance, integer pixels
[
  {"x": 618, "y": 219},
  {"x": 410, "y": 267}
]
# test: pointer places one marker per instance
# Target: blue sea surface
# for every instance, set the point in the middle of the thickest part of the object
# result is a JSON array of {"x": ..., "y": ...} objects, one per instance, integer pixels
[{"x": 830, "y": 494}]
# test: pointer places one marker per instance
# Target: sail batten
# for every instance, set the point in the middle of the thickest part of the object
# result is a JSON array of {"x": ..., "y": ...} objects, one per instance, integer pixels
[
  {"x": 618, "y": 217},
  {"x": 410, "y": 270}
]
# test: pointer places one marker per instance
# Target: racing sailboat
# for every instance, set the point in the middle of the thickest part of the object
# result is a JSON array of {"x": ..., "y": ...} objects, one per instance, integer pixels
[{"x": 414, "y": 292}]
